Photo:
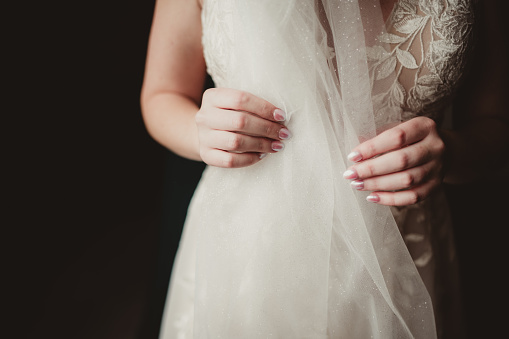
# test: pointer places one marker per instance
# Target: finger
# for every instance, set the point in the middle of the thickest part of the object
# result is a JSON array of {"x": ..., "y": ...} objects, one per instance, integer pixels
[
  {"x": 406, "y": 197},
  {"x": 233, "y": 99},
  {"x": 235, "y": 121},
  {"x": 395, "y": 181},
  {"x": 219, "y": 158},
  {"x": 235, "y": 142},
  {"x": 396, "y": 161},
  {"x": 404, "y": 134}
]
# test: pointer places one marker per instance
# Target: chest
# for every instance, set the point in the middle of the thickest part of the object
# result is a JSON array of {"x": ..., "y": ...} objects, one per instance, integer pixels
[{"x": 426, "y": 44}]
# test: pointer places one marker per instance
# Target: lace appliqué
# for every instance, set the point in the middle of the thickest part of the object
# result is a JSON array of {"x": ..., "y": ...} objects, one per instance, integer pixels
[
  {"x": 427, "y": 47},
  {"x": 428, "y": 42},
  {"x": 418, "y": 238},
  {"x": 217, "y": 38}
]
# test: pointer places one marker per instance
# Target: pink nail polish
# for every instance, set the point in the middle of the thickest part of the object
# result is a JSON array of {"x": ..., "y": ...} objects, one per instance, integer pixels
[
  {"x": 279, "y": 115},
  {"x": 357, "y": 184},
  {"x": 277, "y": 146},
  {"x": 262, "y": 155},
  {"x": 350, "y": 174},
  {"x": 373, "y": 198},
  {"x": 354, "y": 156},
  {"x": 284, "y": 134}
]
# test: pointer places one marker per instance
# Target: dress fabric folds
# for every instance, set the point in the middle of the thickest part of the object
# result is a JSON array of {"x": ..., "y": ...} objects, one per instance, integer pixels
[{"x": 286, "y": 248}]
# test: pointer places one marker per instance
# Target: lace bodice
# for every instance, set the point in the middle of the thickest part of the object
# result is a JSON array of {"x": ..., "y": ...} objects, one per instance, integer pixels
[
  {"x": 217, "y": 39},
  {"x": 426, "y": 45},
  {"x": 242, "y": 262},
  {"x": 428, "y": 42}
]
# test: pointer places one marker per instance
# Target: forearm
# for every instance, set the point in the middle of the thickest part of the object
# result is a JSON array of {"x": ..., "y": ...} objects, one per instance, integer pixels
[
  {"x": 170, "y": 120},
  {"x": 477, "y": 150}
]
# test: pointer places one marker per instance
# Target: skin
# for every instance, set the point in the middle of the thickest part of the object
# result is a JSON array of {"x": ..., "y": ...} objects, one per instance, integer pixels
[
  {"x": 420, "y": 156},
  {"x": 408, "y": 157},
  {"x": 230, "y": 128},
  {"x": 225, "y": 127}
]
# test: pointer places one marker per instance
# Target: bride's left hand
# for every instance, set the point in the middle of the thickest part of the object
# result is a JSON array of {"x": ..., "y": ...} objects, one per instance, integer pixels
[{"x": 402, "y": 165}]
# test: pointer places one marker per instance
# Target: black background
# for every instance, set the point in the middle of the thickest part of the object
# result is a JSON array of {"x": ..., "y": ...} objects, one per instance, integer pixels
[{"x": 95, "y": 206}]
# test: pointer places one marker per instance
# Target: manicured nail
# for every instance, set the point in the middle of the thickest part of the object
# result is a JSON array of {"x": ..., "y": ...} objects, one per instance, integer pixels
[
  {"x": 279, "y": 115},
  {"x": 284, "y": 134},
  {"x": 263, "y": 155},
  {"x": 357, "y": 184},
  {"x": 354, "y": 156},
  {"x": 277, "y": 146},
  {"x": 350, "y": 174},
  {"x": 373, "y": 198}
]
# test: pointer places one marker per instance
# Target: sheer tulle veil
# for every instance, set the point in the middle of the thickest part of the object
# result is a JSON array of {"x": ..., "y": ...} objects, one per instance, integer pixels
[{"x": 286, "y": 248}]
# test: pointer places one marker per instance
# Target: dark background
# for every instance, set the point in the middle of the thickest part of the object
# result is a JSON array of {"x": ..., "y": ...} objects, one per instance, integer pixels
[{"x": 95, "y": 206}]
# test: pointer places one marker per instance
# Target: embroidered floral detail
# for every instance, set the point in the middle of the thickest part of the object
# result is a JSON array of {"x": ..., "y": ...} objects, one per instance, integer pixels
[
  {"x": 425, "y": 52},
  {"x": 426, "y": 255},
  {"x": 426, "y": 40},
  {"x": 217, "y": 39}
]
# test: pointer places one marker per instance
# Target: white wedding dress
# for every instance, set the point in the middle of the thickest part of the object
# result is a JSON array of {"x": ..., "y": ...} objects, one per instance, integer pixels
[{"x": 286, "y": 248}]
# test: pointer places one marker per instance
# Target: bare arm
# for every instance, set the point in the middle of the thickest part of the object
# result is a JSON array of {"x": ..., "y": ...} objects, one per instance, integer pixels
[
  {"x": 225, "y": 127},
  {"x": 174, "y": 76}
]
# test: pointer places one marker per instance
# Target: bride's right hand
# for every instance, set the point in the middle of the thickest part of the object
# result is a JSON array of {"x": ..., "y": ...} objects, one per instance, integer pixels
[{"x": 236, "y": 128}]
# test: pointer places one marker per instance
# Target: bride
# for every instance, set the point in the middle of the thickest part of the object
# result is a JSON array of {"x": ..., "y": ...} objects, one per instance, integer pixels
[{"x": 321, "y": 213}]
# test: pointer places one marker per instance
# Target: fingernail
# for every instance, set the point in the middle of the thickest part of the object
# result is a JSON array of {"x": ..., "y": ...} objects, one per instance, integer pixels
[
  {"x": 350, "y": 174},
  {"x": 277, "y": 146},
  {"x": 263, "y": 155},
  {"x": 279, "y": 115},
  {"x": 354, "y": 156},
  {"x": 284, "y": 134},
  {"x": 357, "y": 184},
  {"x": 373, "y": 198}
]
